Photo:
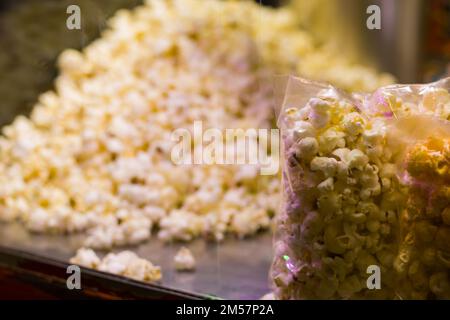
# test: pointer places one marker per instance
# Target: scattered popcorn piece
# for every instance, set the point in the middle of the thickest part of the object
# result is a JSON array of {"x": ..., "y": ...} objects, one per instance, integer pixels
[{"x": 184, "y": 260}]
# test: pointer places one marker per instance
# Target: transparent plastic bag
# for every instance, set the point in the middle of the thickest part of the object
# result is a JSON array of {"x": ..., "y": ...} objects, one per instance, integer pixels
[{"x": 366, "y": 180}]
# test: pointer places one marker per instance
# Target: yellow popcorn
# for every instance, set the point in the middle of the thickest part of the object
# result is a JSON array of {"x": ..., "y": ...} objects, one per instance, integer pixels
[{"x": 326, "y": 165}]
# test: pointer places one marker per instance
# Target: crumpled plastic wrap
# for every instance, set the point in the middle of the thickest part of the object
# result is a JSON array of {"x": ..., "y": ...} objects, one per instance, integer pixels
[{"x": 366, "y": 180}]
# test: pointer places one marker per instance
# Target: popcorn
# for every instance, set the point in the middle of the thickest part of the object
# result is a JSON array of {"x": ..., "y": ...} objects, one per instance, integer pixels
[
  {"x": 303, "y": 129},
  {"x": 326, "y": 185},
  {"x": 445, "y": 216},
  {"x": 356, "y": 159},
  {"x": 380, "y": 198},
  {"x": 127, "y": 228},
  {"x": 184, "y": 260},
  {"x": 353, "y": 124},
  {"x": 143, "y": 270},
  {"x": 116, "y": 264},
  {"x": 38, "y": 220},
  {"x": 330, "y": 140},
  {"x": 318, "y": 115},
  {"x": 268, "y": 296},
  {"x": 326, "y": 165},
  {"x": 307, "y": 147},
  {"x": 94, "y": 156},
  {"x": 86, "y": 258},
  {"x": 425, "y": 244},
  {"x": 125, "y": 263}
]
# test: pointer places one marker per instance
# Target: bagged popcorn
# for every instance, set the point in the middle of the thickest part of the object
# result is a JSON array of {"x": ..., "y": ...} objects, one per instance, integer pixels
[{"x": 366, "y": 182}]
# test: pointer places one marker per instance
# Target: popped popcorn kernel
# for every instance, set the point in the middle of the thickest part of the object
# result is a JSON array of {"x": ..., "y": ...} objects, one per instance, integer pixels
[{"x": 86, "y": 258}]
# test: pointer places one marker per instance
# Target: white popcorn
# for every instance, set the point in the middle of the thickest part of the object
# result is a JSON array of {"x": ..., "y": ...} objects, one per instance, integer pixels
[
  {"x": 114, "y": 145},
  {"x": 133, "y": 228},
  {"x": 184, "y": 260},
  {"x": 353, "y": 124},
  {"x": 136, "y": 194},
  {"x": 86, "y": 258},
  {"x": 247, "y": 173},
  {"x": 101, "y": 237},
  {"x": 117, "y": 263},
  {"x": 307, "y": 147},
  {"x": 318, "y": 115},
  {"x": 136, "y": 230},
  {"x": 143, "y": 270},
  {"x": 268, "y": 296},
  {"x": 180, "y": 225},
  {"x": 330, "y": 140},
  {"x": 121, "y": 128},
  {"x": 249, "y": 221},
  {"x": 125, "y": 263},
  {"x": 78, "y": 222},
  {"x": 349, "y": 205},
  {"x": 38, "y": 220}
]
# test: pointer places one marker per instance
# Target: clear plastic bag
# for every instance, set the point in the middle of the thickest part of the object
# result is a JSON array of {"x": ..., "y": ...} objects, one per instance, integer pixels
[{"x": 366, "y": 206}]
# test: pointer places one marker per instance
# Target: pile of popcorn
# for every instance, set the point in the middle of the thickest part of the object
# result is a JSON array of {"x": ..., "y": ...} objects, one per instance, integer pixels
[
  {"x": 348, "y": 205},
  {"x": 125, "y": 263},
  {"x": 94, "y": 156}
]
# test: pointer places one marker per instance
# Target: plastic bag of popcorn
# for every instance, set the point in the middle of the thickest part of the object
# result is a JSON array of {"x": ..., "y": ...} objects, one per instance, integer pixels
[{"x": 366, "y": 180}]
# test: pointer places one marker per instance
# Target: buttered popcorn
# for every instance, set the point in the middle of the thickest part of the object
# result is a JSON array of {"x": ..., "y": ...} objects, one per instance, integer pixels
[
  {"x": 94, "y": 155},
  {"x": 365, "y": 185}
]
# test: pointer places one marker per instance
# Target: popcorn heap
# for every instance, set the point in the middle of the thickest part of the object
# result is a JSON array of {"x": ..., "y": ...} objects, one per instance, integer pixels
[
  {"x": 95, "y": 153},
  {"x": 125, "y": 263},
  {"x": 347, "y": 206},
  {"x": 184, "y": 260}
]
